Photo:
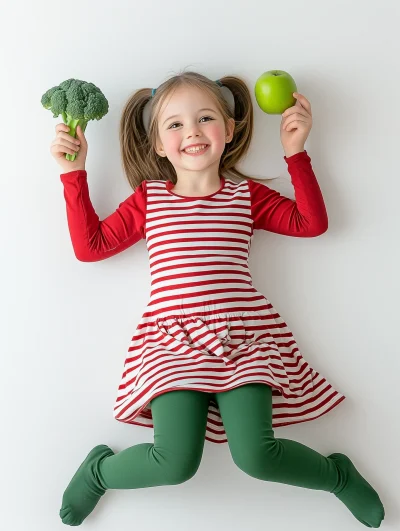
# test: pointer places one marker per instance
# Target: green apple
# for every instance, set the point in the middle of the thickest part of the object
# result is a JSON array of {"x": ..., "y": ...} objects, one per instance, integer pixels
[{"x": 274, "y": 91}]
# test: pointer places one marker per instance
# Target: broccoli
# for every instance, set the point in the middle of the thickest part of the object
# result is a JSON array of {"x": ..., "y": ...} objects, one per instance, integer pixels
[{"x": 78, "y": 102}]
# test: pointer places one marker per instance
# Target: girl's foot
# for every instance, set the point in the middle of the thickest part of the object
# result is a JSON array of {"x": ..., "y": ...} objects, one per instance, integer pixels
[
  {"x": 356, "y": 493},
  {"x": 85, "y": 488}
]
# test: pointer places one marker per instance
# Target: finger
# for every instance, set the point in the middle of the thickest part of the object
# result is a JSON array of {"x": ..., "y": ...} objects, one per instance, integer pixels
[
  {"x": 62, "y": 127},
  {"x": 65, "y": 141},
  {"x": 69, "y": 138},
  {"x": 60, "y": 144},
  {"x": 292, "y": 122},
  {"x": 80, "y": 134},
  {"x": 295, "y": 116},
  {"x": 295, "y": 109},
  {"x": 303, "y": 101},
  {"x": 59, "y": 150},
  {"x": 84, "y": 145}
]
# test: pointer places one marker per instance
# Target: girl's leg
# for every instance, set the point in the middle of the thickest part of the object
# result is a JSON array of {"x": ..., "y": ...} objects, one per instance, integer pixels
[
  {"x": 247, "y": 416},
  {"x": 179, "y": 419}
]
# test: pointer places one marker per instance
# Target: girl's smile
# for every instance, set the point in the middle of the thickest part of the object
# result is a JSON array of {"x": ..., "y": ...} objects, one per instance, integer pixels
[{"x": 197, "y": 151}]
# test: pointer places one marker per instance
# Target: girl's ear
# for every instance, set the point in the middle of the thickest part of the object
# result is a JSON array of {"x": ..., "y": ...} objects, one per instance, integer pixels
[
  {"x": 159, "y": 147},
  {"x": 160, "y": 151}
]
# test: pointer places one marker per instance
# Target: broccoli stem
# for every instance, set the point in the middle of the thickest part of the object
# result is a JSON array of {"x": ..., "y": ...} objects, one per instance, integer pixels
[{"x": 73, "y": 124}]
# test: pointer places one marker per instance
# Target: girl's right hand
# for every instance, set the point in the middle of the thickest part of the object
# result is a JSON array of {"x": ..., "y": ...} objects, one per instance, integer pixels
[{"x": 65, "y": 143}]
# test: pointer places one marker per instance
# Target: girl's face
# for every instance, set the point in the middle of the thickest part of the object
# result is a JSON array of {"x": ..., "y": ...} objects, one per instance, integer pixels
[{"x": 190, "y": 116}]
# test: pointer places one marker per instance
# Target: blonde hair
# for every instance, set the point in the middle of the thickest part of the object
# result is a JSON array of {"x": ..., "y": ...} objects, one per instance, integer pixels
[{"x": 139, "y": 157}]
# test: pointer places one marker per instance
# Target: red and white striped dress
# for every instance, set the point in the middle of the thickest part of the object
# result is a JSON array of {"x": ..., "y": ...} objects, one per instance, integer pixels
[{"x": 205, "y": 326}]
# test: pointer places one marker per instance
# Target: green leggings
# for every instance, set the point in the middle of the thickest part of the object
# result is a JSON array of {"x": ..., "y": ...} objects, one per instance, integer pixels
[
  {"x": 179, "y": 433},
  {"x": 179, "y": 430}
]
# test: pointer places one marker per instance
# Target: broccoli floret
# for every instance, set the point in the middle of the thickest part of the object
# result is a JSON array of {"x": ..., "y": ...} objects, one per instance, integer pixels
[{"x": 78, "y": 102}]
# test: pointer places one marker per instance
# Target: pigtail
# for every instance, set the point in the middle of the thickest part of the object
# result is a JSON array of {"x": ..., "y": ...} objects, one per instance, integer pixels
[
  {"x": 244, "y": 124},
  {"x": 134, "y": 142},
  {"x": 236, "y": 150}
]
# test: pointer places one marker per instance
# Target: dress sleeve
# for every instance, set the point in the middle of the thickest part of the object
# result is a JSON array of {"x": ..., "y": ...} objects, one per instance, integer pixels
[
  {"x": 95, "y": 240},
  {"x": 304, "y": 217}
]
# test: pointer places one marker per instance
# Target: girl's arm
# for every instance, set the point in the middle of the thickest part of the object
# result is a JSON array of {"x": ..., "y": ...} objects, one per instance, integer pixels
[
  {"x": 305, "y": 217},
  {"x": 95, "y": 240}
]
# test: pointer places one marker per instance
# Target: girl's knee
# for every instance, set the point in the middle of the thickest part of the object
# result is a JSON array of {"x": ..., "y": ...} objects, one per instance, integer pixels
[
  {"x": 178, "y": 469},
  {"x": 182, "y": 472},
  {"x": 259, "y": 462}
]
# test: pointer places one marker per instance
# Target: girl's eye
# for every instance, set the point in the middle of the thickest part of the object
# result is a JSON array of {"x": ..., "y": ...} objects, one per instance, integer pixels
[{"x": 175, "y": 123}]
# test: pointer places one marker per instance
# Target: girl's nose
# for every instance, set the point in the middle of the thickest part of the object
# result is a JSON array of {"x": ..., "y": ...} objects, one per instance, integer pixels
[{"x": 193, "y": 130}]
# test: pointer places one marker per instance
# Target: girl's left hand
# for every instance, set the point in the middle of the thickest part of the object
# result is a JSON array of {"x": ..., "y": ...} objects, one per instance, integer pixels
[{"x": 296, "y": 125}]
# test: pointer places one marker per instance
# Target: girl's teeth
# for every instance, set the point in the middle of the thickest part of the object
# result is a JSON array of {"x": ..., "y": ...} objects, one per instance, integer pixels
[{"x": 195, "y": 150}]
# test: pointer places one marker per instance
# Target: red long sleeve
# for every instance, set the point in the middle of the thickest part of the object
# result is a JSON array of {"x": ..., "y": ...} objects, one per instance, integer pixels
[
  {"x": 95, "y": 240},
  {"x": 305, "y": 217}
]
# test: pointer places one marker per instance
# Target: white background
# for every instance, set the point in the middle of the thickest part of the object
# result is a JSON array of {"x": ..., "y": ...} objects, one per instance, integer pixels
[{"x": 66, "y": 325}]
